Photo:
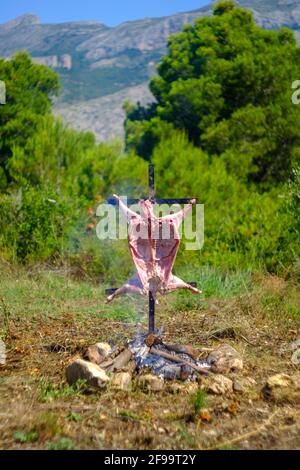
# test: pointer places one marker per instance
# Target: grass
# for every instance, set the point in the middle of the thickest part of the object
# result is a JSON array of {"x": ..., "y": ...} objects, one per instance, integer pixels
[
  {"x": 50, "y": 392},
  {"x": 25, "y": 437},
  {"x": 62, "y": 443},
  {"x": 212, "y": 283},
  {"x": 75, "y": 417},
  {"x": 49, "y": 318},
  {"x": 199, "y": 401},
  {"x": 50, "y": 294},
  {"x": 129, "y": 415}
]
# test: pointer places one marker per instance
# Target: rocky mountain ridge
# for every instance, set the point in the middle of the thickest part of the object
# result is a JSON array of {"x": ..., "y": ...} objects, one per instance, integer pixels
[{"x": 99, "y": 65}]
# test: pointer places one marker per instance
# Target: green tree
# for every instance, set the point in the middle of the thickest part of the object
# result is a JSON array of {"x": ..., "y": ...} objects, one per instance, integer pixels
[
  {"x": 226, "y": 82},
  {"x": 29, "y": 88},
  {"x": 243, "y": 228}
]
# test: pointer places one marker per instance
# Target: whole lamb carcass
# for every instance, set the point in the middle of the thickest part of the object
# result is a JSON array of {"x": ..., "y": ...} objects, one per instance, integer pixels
[{"x": 153, "y": 243}]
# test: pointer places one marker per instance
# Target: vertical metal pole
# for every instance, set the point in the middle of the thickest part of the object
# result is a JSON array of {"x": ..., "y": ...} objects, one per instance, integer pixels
[
  {"x": 151, "y": 313},
  {"x": 151, "y": 298},
  {"x": 151, "y": 183}
]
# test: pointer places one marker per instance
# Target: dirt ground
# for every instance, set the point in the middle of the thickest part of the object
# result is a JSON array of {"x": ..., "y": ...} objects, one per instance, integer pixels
[{"x": 38, "y": 410}]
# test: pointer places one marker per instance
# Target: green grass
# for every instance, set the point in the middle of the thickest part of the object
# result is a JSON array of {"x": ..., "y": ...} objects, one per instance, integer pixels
[
  {"x": 284, "y": 305},
  {"x": 128, "y": 415},
  {"x": 47, "y": 294},
  {"x": 25, "y": 437},
  {"x": 50, "y": 294},
  {"x": 62, "y": 443},
  {"x": 212, "y": 283},
  {"x": 74, "y": 417},
  {"x": 199, "y": 401},
  {"x": 50, "y": 392}
]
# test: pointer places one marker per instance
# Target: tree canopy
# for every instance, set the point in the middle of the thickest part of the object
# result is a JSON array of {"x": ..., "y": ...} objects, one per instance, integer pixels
[
  {"x": 29, "y": 88},
  {"x": 226, "y": 83}
]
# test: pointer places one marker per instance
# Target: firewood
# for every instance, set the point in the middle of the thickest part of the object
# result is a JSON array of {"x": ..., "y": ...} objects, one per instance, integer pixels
[
  {"x": 174, "y": 358},
  {"x": 178, "y": 348},
  {"x": 119, "y": 362}
]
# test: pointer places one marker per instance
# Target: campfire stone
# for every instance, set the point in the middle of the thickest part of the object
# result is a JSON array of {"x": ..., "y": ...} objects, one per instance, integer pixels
[
  {"x": 97, "y": 352},
  {"x": 225, "y": 359},
  {"x": 84, "y": 370},
  {"x": 151, "y": 383},
  {"x": 220, "y": 385},
  {"x": 122, "y": 381}
]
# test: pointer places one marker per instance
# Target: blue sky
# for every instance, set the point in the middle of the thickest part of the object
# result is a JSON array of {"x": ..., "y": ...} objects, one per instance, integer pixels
[{"x": 110, "y": 12}]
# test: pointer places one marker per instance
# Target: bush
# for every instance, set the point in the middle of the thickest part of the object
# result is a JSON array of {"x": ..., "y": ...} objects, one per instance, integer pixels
[{"x": 33, "y": 223}]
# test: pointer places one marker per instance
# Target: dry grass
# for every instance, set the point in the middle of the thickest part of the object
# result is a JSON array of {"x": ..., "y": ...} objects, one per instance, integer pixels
[{"x": 49, "y": 319}]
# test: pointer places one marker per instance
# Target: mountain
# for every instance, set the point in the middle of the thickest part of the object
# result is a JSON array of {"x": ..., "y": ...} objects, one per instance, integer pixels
[
  {"x": 104, "y": 116},
  {"x": 104, "y": 60},
  {"x": 101, "y": 66}
]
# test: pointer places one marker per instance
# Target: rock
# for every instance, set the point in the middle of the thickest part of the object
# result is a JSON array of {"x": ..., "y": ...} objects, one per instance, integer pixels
[
  {"x": 84, "y": 370},
  {"x": 220, "y": 385},
  {"x": 289, "y": 347},
  {"x": 283, "y": 388},
  {"x": 225, "y": 359},
  {"x": 122, "y": 381},
  {"x": 294, "y": 345},
  {"x": 2, "y": 353},
  {"x": 241, "y": 384},
  {"x": 238, "y": 387},
  {"x": 151, "y": 383},
  {"x": 161, "y": 430},
  {"x": 97, "y": 352},
  {"x": 295, "y": 359}
]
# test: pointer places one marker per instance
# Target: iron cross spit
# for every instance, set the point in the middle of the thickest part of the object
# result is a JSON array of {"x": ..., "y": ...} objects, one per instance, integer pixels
[{"x": 153, "y": 243}]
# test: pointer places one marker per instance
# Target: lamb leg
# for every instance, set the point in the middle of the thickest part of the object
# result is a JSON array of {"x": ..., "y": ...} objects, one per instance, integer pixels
[
  {"x": 133, "y": 286},
  {"x": 177, "y": 283}
]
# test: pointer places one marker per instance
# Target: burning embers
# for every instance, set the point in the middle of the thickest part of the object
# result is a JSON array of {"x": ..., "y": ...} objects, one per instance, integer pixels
[
  {"x": 150, "y": 362},
  {"x": 169, "y": 362}
]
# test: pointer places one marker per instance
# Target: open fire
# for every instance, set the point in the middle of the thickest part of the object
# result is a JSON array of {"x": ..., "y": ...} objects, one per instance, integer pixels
[{"x": 169, "y": 362}]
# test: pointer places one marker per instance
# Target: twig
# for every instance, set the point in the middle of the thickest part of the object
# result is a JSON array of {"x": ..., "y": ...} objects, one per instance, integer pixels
[
  {"x": 246, "y": 435},
  {"x": 247, "y": 340}
]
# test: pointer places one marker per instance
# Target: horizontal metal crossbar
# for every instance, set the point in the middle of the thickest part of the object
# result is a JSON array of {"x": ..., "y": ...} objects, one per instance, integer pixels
[
  {"x": 157, "y": 200},
  {"x": 111, "y": 290}
]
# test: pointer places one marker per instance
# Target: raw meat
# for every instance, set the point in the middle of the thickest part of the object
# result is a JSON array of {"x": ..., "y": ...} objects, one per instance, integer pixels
[{"x": 153, "y": 243}]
